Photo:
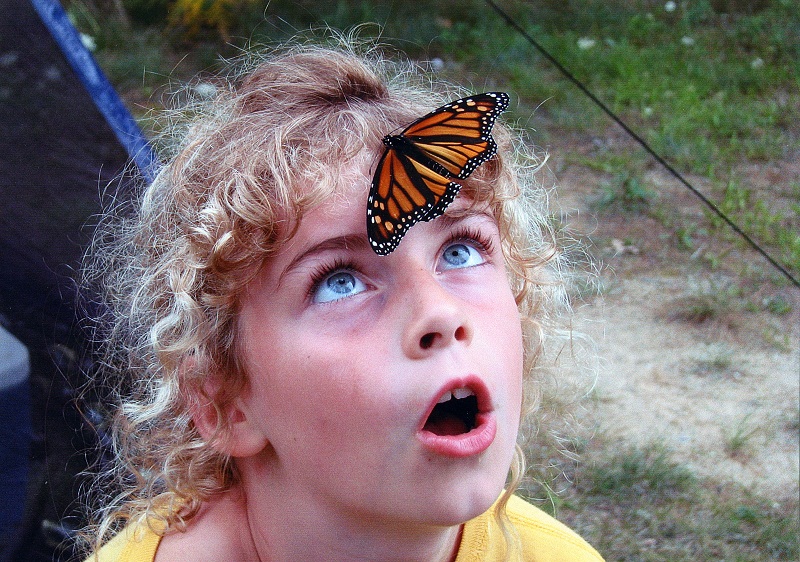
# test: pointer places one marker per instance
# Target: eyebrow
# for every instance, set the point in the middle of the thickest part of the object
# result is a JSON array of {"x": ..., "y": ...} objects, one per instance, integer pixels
[
  {"x": 448, "y": 220},
  {"x": 359, "y": 242},
  {"x": 349, "y": 242}
]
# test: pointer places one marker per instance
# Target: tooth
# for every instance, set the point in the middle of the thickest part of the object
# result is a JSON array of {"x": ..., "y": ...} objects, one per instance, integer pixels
[
  {"x": 460, "y": 393},
  {"x": 445, "y": 397}
]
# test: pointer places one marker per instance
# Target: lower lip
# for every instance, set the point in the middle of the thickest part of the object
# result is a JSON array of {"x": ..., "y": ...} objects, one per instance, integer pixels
[{"x": 465, "y": 445}]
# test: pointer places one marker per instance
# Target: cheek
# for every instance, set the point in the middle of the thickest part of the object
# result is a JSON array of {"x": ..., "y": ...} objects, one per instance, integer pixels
[
  {"x": 516, "y": 370},
  {"x": 509, "y": 342},
  {"x": 325, "y": 390}
]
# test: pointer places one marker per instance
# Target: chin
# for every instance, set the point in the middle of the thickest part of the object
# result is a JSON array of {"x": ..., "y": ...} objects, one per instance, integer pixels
[{"x": 467, "y": 501}]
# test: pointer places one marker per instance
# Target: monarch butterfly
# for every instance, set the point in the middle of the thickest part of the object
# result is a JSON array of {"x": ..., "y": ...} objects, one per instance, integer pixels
[{"x": 414, "y": 177}]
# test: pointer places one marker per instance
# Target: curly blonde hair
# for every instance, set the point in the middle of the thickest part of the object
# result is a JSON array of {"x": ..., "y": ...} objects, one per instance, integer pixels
[{"x": 173, "y": 264}]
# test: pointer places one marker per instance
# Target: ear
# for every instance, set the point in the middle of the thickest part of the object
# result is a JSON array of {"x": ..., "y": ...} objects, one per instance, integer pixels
[{"x": 226, "y": 425}]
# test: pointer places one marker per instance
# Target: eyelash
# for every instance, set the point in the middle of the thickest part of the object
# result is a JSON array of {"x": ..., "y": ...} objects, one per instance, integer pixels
[
  {"x": 463, "y": 234},
  {"x": 476, "y": 236},
  {"x": 324, "y": 270}
]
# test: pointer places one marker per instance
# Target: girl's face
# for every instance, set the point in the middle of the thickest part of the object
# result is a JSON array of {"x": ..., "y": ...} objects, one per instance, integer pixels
[{"x": 389, "y": 388}]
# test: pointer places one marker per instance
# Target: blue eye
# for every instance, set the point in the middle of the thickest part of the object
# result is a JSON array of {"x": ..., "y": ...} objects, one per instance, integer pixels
[
  {"x": 460, "y": 255},
  {"x": 337, "y": 285}
]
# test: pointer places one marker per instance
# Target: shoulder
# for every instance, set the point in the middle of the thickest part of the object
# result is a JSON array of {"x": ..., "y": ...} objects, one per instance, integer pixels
[
  {"x": 214, "y": 533},
  {"x": 538, "y": 536},
  {"x": 132, "y": 544},
  {"x": 545, "y": 537}
]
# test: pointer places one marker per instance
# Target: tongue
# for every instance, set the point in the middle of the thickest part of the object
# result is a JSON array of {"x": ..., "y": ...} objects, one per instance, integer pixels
[{"x": 443, "y": 423}]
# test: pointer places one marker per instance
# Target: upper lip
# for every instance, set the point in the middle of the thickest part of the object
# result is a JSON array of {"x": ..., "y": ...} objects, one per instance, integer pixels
[{"x": 461, "y": 388}]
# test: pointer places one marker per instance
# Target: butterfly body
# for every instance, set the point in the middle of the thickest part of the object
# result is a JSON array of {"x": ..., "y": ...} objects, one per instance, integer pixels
[{"x": 414, "y": 179}]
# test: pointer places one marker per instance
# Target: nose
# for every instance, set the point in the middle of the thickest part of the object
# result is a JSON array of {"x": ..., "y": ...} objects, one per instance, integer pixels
[{"x": 436, "y": 318}]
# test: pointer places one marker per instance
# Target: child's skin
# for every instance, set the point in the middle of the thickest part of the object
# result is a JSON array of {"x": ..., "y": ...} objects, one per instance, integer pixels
[{"x": 347, "y": 352}]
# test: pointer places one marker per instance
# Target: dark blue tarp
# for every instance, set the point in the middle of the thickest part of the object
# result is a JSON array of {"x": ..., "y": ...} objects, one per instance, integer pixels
[{"x": 58, "y": 151}]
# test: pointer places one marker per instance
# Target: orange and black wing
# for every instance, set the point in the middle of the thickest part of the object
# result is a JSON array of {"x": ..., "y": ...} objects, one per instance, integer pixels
[
  {"x": 404, "y": 191},
  {"x": 414, "y": 178},
  {"x": 458, "y": 136}
]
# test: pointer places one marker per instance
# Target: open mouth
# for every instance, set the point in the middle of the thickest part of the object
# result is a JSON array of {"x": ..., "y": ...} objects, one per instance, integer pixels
[
  {"x": 461, "y": 423},
  {"x": 455, "y": 413}
]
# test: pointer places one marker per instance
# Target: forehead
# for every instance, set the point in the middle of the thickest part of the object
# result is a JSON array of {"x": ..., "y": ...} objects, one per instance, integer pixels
[
  {"x": 335, "y": 203},
  {"x": 345, "y": 217}
]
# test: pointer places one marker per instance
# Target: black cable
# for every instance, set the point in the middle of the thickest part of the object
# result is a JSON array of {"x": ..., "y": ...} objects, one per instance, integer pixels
[{"x": 710, "y": 204}]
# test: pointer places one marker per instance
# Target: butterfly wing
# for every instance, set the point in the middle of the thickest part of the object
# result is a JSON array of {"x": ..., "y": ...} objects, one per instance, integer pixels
[
  {"x": 404, "y": 191},
  {"x": 414, "y": 178},
  {"x": 458, "y": 136}
]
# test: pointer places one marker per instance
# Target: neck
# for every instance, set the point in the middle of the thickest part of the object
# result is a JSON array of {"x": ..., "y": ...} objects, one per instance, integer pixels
[{"x": 287, "y": 523}]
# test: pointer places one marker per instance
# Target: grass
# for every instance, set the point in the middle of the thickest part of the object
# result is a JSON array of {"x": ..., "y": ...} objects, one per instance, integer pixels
[
  {"x": 703, "y": 104},
  {"x": 638, "y": 504},
  {"x": 707, "y": 89},
  {"x": 626, "y": 193},
  {"x": 712, "y": 301},
  {"x": 740, "y": 436},
  {"x": 778, "y": 338},
  {"x": 716, "y": 359},
  {"x": 777, "y": 305},
  {"x": 777, "y": 228},
  {"x": 635, "y": 471}
]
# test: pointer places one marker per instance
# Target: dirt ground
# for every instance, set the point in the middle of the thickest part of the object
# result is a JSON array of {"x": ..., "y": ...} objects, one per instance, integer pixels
[{"x": 721, "y": 391}]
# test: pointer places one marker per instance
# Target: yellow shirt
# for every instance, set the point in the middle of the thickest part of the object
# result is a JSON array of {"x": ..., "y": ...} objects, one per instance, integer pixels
[
  {"x": 541, "y": 538},
  {"x": 137, "y": 544}
]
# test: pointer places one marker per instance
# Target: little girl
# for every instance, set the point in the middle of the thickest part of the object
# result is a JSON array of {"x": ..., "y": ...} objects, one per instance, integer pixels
[{"x": 292, "y": 389}]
